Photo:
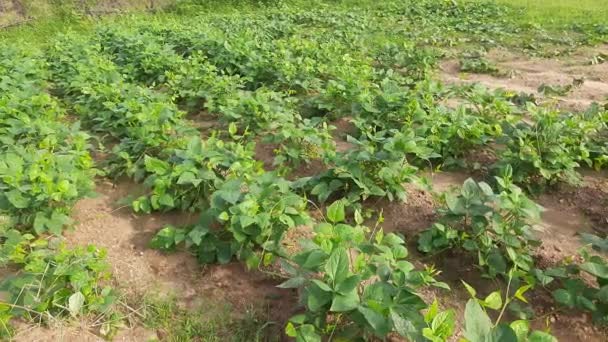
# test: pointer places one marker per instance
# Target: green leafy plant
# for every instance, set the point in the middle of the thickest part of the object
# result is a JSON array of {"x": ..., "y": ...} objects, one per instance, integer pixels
[
  {"x": 53, "y": 280},
  {"x": 478, "y": 325},
  {"x": 572, "y": 288},
  {"x": 302, "y": 143},
  {"x": 497, "y": 227},
  {"x": 546, "y": 149},
  {"x": 376, "y": 166},
  {"x": 245, "y": 219},
  {"x": 357, "y": 283},
  {"x": 190, "y": 175},
  {"x": 474, "y": 62},
  {"x": 45, "y": 165}
]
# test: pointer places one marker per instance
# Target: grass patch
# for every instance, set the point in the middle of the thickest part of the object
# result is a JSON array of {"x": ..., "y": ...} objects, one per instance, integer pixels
[
  {"x": 558, "y": 13},
  {"x": 209, "y": 322}
]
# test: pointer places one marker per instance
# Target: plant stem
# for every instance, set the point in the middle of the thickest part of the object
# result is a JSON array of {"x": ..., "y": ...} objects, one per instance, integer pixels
[{"x": 507, "y": 301}]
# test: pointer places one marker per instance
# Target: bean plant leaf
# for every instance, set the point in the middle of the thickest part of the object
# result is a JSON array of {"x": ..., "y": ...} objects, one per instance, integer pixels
[
  {"x": 378, "y": 322},
  {"x": 540, "y": 336},
  {"x": 335, "y": 212},
  {"x": 307, "y": 333},
  {"x": 75, "y": 303},
  {"x": 564, "y": 297},
  {"x": 493, "y": 300},
  {"x": 405, "y": 326},
  {"x": 292, "y": 283},
  {"x": 521, "y": 328},
  {"x": 17, "y": 199},
  {"x": 477, "y": 323},
  {"x": 345, "y": 302},
  {"x": 336, "y": 266},
  {"x": 503, "y": 333},
  {"x": 317, "y": 297},
  {"x": 598, "y": 270}
]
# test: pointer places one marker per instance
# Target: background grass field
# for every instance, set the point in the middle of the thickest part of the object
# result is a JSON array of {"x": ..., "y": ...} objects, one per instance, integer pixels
[{"x": 555, "y": 13}]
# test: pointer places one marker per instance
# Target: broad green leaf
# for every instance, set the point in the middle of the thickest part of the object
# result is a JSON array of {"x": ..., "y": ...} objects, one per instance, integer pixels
[
  {"x": 444, "y": 322},
  {"x": 564, "y": 297},
  {"x": 293, "y": 283},
  {"x": 187, "y": 178},
  {"x": 469, "y": 188},
  {"x": 156, "y": 166},
  {"x": 503, "y": 333},
  {"x": 405, "y": 326},
  {"x": 477, "y": 324},
  {"x": 317, "y": 298},
  {"x": 40, "y": 223},
  {"x": 224, "y": 252},
  {"x": 307, "y": 333},
  {"x": 493, "y": 300},
  {"x": 336, "y": 266},
  {"x": 298, "y": 319},
  {"x": 358, "y": 217},
  {"x": 16, "y": 199},
  {"x": 378, "y": 322},
  {"x": 290, "y": 330},
  {"x": 322, "y": 285},
  {"x": 539, "y": 336},
  {"x": 598, "y": 270},
  {"x": 348, "y": 285},
  {"x": 335, "y": 212},
  {"x": 166, "y": 200},
  {"x": 521, "y": 328},
  {"x": 345, "y": 302}
]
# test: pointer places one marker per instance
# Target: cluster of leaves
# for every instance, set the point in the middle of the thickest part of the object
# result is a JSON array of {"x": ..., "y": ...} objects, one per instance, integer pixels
[
  {"x": 139, "y": 121},
  {"x": 497, "y": 227},
  {"x": 377, "y": 165},
  {"x": 53, "y": 281},
  {"x": 138, "y": 54},
  {"x": 475, "y": 62},
  {"x": 45, "y": 166},
  {"x": 357, "y": 283},
  {"x": 451, "y": 133},
  {"x": 242, "y": 218},
  {"x": 478, "y": 325},
  {"x": 581, "y": 284},
  {"x": 284, "y": 75},
  {"x": 303, "y": 142},
  {"x": 549, "y": 147},
  {"x": 196, "y": 82},
  {"x": 190, "y": 175}
]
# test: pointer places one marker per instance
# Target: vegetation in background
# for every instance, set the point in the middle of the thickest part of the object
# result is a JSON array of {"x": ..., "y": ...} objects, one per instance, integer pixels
[{"x": 285, "y": 72}]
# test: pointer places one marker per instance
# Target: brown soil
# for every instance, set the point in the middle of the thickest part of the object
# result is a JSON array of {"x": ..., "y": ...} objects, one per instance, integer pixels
[
  {"x": 525, "y": 74},
  {"x": 591, "y": 198},
  {"x": 558, "y": 229},
  {"x": 411, "y": 217},
  {"x": 139, "y": 271}
]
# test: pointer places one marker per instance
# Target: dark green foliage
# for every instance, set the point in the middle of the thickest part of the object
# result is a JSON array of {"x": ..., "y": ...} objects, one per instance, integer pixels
[{"x": 496, "y": 227}]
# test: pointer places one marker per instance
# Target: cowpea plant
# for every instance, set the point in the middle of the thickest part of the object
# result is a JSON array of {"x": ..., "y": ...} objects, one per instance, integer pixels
[
  {"x": 246, "y": 219},
  {"x": 357, "y": 283},
  {"x": 496, "y": 227}
]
